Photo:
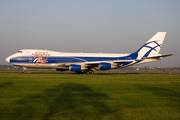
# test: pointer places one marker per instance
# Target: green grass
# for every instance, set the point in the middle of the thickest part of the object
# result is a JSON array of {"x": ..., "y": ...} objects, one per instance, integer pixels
[{"x": 89, "y": 97}]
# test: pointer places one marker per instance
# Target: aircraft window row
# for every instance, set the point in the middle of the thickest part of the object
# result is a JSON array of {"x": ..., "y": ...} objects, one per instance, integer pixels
[
  {"x": 37, "y": 53},
  {"x": 19, "y": 51}
]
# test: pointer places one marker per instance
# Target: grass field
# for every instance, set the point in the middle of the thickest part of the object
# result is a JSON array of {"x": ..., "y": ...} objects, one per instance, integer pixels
[{"x": 89, "y": 97}]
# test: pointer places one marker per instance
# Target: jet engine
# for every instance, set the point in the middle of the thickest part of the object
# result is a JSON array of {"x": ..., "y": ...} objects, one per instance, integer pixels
[
  {"x": 76, "y": 68},
  {"x": 107, "y": 66},
  {"x": 104, "y": 66}
]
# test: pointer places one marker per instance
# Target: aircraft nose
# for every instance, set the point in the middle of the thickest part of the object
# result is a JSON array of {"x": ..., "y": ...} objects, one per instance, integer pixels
[{"x": 8, "y": 59}]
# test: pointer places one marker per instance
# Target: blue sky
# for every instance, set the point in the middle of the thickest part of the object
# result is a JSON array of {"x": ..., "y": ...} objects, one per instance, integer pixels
[{"x": 107, "y": 26}]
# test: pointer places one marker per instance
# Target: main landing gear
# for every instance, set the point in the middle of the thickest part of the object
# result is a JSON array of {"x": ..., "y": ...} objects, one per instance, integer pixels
[
  {"x": 24, "y": 70},
  {"x": 85, "y": 72}
]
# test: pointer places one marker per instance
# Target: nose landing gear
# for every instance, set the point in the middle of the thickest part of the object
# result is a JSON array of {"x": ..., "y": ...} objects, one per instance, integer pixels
[{"x": 24, "y": 70}]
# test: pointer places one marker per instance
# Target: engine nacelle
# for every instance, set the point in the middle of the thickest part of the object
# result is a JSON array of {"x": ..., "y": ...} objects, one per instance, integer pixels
[
  {"x": 104, "y": 66},
  {"x": 114, "y": 66},
  {"x": 76, "y": 68},
  {"x": 107, "y": 66}
]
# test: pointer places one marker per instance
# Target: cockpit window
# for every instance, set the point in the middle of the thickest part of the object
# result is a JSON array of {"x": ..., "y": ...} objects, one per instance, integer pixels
[{"x": 19, "y": 51}]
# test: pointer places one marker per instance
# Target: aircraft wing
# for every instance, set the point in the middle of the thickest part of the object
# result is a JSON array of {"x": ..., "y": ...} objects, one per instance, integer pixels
[
  {"x": 122, "y": 61},
  {"x": 95, "y": 63},
  {"x": 61, "y": 64},
  {"x": 115, "y": 61}
]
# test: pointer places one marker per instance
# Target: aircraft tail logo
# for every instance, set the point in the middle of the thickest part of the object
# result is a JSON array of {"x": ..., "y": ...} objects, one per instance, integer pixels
[{"x": 152, "y": 46}]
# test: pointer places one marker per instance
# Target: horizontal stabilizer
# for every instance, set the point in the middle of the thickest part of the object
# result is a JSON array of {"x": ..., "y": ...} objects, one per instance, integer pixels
[{"x": 156, "y": 57}]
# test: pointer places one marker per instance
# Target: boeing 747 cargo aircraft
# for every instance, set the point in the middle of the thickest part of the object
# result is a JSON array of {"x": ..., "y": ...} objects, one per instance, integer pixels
[{"x": 88, "y": 62}]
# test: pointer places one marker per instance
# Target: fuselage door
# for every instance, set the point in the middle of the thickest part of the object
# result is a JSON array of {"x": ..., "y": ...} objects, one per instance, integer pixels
[
  {"x": 30, "y": 59},
  {"x": 29, "y": 56}
]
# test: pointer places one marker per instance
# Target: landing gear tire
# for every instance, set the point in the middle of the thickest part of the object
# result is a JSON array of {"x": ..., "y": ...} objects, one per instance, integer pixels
[
  {"x": 89, "y": 72},
  {"x": 25, "y": 72},
  {"x": 85, "y": 72}
]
